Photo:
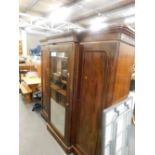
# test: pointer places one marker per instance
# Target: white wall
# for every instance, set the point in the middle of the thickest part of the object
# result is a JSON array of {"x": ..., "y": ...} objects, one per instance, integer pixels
[
  {"x": 33, "y": 40},
  {"x": 29, "y": 41},
  {"x": 23, "y": 37}
]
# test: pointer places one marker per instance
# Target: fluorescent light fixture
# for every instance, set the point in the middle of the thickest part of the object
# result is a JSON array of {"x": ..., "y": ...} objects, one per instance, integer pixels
[
  {"x": 130, "y": 20},
  {"x": 97, "y": 24},
  {"x": 60, "y": 14},
  {"x": 55, "y": 6},
  {"x": 96, "y": 20},
  {"x": 97, "y": 27},
  {"x": 28, "y": 29},
  {"x": 88, "y": 0},
  {"x": 79, "y": 30},
  {"x": 53, "y": 54}
]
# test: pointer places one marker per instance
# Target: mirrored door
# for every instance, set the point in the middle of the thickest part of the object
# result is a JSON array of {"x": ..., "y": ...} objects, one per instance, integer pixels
[{"x": 58, "y": 85}]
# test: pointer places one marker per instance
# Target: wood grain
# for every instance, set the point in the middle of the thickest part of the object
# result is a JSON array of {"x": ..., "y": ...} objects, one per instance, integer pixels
[
  {"x": 45, "y": 83},
  {"x": 99, "y": 68},
  {"x": 92, "y": 88}
]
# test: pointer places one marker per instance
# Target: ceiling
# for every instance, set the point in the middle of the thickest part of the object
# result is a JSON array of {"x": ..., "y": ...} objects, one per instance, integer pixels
[{"x": 55, "y": 16}]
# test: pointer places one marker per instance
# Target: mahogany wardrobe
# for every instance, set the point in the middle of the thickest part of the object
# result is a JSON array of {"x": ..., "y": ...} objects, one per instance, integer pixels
[{"x": 83, "y": 74}]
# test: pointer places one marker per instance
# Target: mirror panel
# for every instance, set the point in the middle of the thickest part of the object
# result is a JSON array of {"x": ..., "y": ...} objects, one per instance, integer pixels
[{"x": 58, "y": 81}]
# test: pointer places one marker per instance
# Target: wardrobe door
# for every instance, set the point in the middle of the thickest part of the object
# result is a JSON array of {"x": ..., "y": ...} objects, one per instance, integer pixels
[
  {"x": 45, "y": 83},
  {"x": 91, "y": 100},
  {"x": 61, "y": 92}
]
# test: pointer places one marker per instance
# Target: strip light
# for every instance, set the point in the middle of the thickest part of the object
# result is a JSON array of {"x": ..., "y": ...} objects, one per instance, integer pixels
[
  {"x": 97, "y": 24},
  {"x": 59, "y": 14}
]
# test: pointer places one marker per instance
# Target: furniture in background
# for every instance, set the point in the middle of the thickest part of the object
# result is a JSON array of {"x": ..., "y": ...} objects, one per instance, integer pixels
[
  {"x": 22, "y": 73},
  {"x": 38, "y": 68},
  {"x": 28, "y": 86},
  {"x": 26, "y": 92},
  {"x": 83, "y": 74},
  {"x": 20, "y": 48},
  {"x": 24, "y": 68},
  {"x": 32, "y": 82},
  {"x": 30, "y": 79}
]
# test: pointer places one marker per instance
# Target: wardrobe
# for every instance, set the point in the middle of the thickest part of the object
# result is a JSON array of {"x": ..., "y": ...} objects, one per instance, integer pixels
[{"x": 83, "y": 74}]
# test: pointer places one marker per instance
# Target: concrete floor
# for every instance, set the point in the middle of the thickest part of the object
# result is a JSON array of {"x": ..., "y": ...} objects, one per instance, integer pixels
[
  {"x": 34, "y": 138},
  {"x": 132, "y": 141}
]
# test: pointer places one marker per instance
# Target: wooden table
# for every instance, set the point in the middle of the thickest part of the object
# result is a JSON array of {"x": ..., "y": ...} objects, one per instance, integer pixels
[
  {"x": 26, "y": 66},
  {"x": 32, "y": 82}
]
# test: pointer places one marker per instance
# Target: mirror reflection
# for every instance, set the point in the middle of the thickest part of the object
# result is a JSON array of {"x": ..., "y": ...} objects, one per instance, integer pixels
[{"x": 59, "y": 73}]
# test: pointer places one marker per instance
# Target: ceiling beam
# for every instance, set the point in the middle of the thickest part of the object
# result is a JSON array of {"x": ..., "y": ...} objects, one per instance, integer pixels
[
  {"x": 120, "y": 18},
  {"x": 28, "y": 15},
  {"x": 68, "y": 3},
  {"x": 36, "y": 32},
  {"x": 43, "y": 28},
  {"x": 60, "y": 27},
  {"x": 116, "y": 21},
  {"x": 31, "y": 5},
  {"x": 111, "y": 8}
]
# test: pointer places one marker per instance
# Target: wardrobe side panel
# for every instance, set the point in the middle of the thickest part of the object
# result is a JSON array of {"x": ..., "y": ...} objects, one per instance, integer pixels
[{"x": 125, "y": 63}]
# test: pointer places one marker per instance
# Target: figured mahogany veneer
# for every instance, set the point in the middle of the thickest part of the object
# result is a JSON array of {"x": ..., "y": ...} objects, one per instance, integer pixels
[
  {"x": 100, "y": 67},
  {"x": 45, "y": 83}
]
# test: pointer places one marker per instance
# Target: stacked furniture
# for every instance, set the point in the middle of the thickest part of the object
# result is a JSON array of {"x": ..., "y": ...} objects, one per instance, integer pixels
[{"x": 83, "y": 74}]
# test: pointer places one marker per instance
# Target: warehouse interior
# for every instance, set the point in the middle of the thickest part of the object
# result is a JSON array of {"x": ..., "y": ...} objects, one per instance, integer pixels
[{"x": 76, "y": 77}]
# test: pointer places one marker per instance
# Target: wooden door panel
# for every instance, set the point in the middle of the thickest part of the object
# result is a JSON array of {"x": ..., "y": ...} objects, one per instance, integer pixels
[
  {"x": 64, "y": 134},
  {"x": 45, "y": 80},
  {"x": 91, "y": 100}
]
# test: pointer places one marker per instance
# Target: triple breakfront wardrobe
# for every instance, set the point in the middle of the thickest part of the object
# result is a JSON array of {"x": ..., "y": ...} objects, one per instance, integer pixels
[{"x": 83, "y": 74}]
